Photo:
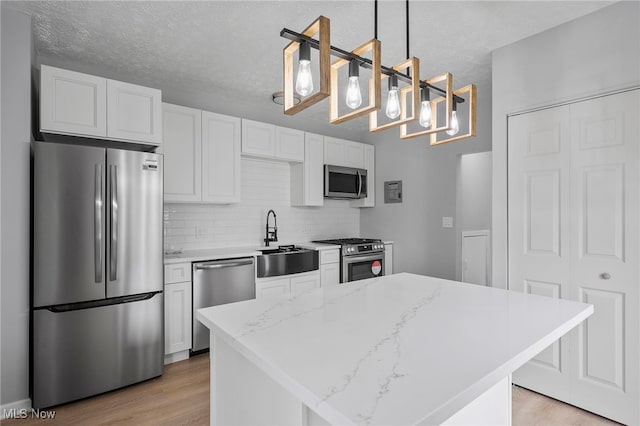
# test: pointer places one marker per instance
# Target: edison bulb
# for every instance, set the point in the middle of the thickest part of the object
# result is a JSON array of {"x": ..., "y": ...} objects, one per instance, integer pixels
[
  {"x": 455, "y": 126},
  {"x": 354, "y": 97},
  {"x": 425, "y": 114},
  {"x": 393, "y": 103},
  {"x": 304, "y": 81}
]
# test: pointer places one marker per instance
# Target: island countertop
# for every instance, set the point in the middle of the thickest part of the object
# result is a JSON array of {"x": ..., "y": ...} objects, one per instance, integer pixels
[{"x": 399, "y": 349}]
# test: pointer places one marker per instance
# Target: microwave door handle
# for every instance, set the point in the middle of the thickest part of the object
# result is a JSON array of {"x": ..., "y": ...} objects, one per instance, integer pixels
[{"x": 359, "y": 183}]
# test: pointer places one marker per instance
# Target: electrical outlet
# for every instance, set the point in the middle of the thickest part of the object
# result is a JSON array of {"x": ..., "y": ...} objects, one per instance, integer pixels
[{"x": 447, "y": 222}]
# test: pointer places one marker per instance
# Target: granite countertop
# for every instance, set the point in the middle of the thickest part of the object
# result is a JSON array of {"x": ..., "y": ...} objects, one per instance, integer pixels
[
  {"x": 232, "y": 252},
  {"x": 399, "y": 349}
]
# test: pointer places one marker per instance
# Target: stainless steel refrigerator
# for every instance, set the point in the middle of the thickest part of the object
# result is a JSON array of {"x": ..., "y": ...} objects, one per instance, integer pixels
[{"x": 97, "y": 302}]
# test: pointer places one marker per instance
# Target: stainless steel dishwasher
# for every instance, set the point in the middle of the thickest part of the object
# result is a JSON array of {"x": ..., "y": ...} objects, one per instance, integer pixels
[{"x": 218, "y": 282}]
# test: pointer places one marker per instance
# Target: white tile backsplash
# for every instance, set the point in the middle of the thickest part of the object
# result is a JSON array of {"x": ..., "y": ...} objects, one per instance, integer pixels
[{"x": 265, "y": 185}]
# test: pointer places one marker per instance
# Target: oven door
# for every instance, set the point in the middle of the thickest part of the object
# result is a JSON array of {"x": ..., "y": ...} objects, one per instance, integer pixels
[{"x": 361, "y": 267}]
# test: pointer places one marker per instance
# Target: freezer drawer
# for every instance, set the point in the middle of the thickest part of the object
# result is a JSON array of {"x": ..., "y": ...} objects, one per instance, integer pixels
[{"x": 85, "y": 352}]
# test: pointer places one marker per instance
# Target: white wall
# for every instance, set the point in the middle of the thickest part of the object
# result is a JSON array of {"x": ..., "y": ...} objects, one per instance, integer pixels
[
  {"x": 592, "y": 55},
  {"x": 14, "y": 227},
  {"x": 265, "y": 185},
  {"x": 428, "y": 175},
  {"x": 473, "y": 201}
]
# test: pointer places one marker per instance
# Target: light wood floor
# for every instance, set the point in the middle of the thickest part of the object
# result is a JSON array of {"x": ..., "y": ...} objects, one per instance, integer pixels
[{"x": 181, "y": 397}]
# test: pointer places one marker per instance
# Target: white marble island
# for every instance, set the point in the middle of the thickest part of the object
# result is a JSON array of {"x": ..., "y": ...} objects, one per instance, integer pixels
[{"x": 401, "y": 349}]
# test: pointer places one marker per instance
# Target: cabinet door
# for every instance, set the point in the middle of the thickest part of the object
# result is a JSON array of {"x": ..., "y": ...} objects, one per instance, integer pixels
[
  {"x": 272, "y": 288},
  {"x": 220, "y": 158},
  {"x": 177, "y": 317},
  {"x": 134, "y": 112},
  {"x": 304, "y": 283},
  {"x": 388, "y": 259},
  {"x": 330, "y": 274},
  {"x": 370, "y": 166},
  {"x": 177, "y": 272},
  {"x": 307, "y": 178},
  {"x": 334, "y": 151},
  {"x": 72, "y": 102},
  {"x": 258, "y": 138},
  {"x": 182, "y": 148},
  {"x": 354, "y": 154},
  {"x": 289, "y": 144}
]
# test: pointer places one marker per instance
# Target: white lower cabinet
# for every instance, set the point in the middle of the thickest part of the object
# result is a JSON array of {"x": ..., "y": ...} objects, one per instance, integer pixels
[
  {"x": 303, "y": 283},
  {"x": 388, "y": 258},
  {"x": 177, "y": 317},
  {"x": 330, "y": 267},
  {"x": 177, "y": 311},
  {"x": 283, "y": 285},
  {"x": 272, "y": 287}
]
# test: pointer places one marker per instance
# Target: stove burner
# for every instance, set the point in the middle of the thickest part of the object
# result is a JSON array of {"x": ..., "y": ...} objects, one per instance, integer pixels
[
  {"x": 349, "y": 241},
  {"x": 356, "y": 246}
]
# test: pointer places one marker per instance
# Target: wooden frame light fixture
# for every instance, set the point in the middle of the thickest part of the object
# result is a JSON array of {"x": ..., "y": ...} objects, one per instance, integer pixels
[
  {"x": 372, "y": 46},
  {"x": 414, "y": 87},
  {"x": 448, "y": 98},
  {"x": 403, "y": 105},
  {"x": 471, "y": 92},
  {"x": 321, "y": 27}
]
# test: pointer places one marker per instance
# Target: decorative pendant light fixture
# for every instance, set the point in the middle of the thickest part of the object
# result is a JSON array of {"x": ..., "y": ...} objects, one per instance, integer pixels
[{"x": 404, "y": 105}]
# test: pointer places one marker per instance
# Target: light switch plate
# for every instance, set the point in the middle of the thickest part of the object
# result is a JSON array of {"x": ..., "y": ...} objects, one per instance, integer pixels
[{"x": 447, "y": 222}]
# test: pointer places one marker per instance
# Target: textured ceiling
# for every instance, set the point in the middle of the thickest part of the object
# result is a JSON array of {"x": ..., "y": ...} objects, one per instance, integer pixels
[{"x": 234, "y": 47}]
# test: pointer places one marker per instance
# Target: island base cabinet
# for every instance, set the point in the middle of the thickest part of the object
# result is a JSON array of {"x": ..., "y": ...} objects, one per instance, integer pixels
[{"x": 243, "y": 393}]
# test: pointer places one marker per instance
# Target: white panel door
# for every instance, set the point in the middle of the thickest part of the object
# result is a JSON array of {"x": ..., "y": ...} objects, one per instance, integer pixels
[
  {"x": 258, "y": 138},
  {"x": 134, "y": 112},
  {"x": 305, "y": 283},
  {"x": 220, "y": 158},
  {"x": 354, "y": 154},
  {"x": 334, "y": 151},
  {"x": 475, "y": 257},
  {"x": 289, "y": 144},
  {"x": 177, "y": 317},
  {"x": 370, "y": 167},
  {"x": 605, "y": 256},
  {"x": 182, "y": 149},
  {"x": 539, "y": 186},
  {"x": 574, "y": 233},
  {"x": 72, "y": 102}
]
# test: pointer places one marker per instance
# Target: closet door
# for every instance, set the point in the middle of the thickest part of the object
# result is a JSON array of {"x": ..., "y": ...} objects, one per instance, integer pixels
[
  {"x": 605, "y": 134},
  {"x": 574, "y": 217},
  {"x": 539, "y": 215}
]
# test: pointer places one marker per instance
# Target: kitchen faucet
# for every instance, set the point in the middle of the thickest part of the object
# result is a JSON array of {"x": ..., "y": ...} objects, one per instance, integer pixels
[{"x": 271, "y": 233}]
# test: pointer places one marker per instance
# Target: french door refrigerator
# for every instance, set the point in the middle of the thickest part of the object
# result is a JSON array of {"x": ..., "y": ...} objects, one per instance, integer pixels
[{"x": 97, "y": 302}]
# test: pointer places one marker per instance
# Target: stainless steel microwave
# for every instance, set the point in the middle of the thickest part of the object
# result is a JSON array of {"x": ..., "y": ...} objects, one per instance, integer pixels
[{"x": 344, "y": 182}]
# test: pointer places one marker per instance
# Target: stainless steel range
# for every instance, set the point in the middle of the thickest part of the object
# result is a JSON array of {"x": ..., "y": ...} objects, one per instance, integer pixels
[{"x": 360, "y": 258}]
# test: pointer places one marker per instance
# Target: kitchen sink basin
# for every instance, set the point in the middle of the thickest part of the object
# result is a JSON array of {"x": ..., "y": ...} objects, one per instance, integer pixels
[{"x": 286, "y": 260}]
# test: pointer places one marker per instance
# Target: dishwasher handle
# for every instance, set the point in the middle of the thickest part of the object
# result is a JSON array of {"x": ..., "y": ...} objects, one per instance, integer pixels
[{"x": 223, "y": 264}]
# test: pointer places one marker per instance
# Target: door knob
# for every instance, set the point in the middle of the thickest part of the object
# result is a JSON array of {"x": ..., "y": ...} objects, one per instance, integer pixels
[{"x": 605, "y": 276}]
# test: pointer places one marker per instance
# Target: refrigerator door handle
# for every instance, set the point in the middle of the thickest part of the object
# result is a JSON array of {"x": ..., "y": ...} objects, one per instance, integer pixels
[
  {"x": 97, "y": 223},
  {"x": 113, "y": 255}
]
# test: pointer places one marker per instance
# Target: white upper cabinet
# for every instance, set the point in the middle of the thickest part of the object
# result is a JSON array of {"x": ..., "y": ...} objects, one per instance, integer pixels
[
  {"x": 221, "y": 136},
  {"x": 289, "y": 144},
  {"x": 79, "y": 104},
  {"x": 269, "y": 141},
  {"x": 201, "y": 156},
  {"x": 182, "y": 149},
  {"x": 258, "y": 138},
  {"x": 370, "y": 166},
  {"x": 340, "y": 152},
  {"x": 134, "y": 112},
  {"x": 72, "y": 103},
  {"x": 307, "y": 177}
]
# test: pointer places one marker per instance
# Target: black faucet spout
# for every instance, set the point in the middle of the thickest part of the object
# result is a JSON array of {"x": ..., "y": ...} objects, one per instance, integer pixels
[{"x": 271, "y": 232}]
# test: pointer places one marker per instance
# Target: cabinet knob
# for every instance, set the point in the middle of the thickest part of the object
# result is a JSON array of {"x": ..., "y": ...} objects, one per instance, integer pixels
[{"x": 605, "y": 275}]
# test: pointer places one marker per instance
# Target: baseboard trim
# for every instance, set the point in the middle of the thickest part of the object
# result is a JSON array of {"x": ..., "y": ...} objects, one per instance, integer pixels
[
  {"x": 12, "y": 407},
  {"x": 175, "y": 357}
]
